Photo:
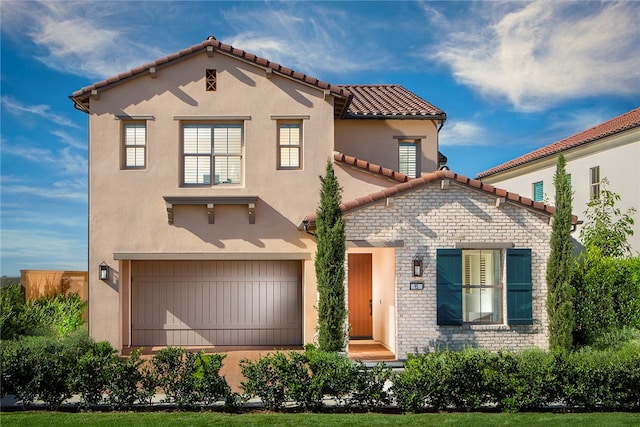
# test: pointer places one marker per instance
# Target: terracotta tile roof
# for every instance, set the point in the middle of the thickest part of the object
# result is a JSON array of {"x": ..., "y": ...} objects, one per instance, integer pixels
[
  {"x": 309, "y": 221},
  {"x": 618, "y": 124},
  {"x": 381, "y": 101},
  {"x": 81, "y": 97},
  {"x": 370, "y": 167},
  {"x": 384, "y": 101}
]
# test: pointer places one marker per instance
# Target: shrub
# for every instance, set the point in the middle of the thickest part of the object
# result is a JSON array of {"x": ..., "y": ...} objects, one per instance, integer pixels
[
  {"x": 92, "y": 370},
  {"x": 211, "y": 385},
  {"x": 12, "y": 322},
  {"x": 608, "y": 295},
  {"x": 129, "y": 381},
  {"x": 601, "y": 380},
  {"x": 424, "y": 383},
  {"x": 264, "y": 380},
  {"x": 522, "y": 381},
  {"x": 174, "y": 369},
  {"x": 56, "y": 316},
  {"x": 370, "y": 386}
]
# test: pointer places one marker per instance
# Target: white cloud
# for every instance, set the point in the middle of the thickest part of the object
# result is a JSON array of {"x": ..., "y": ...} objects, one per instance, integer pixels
[
  {"x": 545, "y": 52},
  {"x": 64, "y": 160},
  {"x": 71, "y": 190},
  {"x": 464, "y": 133},
  {"x": 309, "y": 39},
  {"x": 89, "y": 39},
  {"x": 41, "y": 111}
]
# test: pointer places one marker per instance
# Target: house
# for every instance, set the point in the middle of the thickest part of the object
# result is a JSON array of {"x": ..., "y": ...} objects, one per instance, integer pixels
[
  {"x": 609, "y": 150},
  {"x": 203, "y": 183}
]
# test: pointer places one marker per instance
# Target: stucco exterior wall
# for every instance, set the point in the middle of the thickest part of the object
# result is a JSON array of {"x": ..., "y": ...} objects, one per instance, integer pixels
[
  {"x": 377, "y": 140},
  {"x": 127, "y": 212},
  {"x": 617, "y": 157},
  {"x": 429, "y": 218}
]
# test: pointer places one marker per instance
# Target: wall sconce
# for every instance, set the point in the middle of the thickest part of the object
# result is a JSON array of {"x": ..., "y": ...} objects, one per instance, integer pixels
[
  {"x": 103, "y": 271},
  {"x": 417, "y": 266}
]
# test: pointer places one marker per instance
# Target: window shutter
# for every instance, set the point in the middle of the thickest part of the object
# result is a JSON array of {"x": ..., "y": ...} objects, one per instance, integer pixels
[
  {"x": 519, "y": 287},
  {"x": 538, "y": 191},
  {"x": 449, "y": 286}
]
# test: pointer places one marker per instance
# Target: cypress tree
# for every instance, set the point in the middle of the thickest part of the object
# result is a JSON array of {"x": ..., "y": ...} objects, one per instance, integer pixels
[
  {"x": 560, "y": 310},
  {"x": 329, "y": 264}
]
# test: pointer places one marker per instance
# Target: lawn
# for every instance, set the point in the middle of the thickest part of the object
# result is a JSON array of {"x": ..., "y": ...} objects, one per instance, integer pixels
[{"x": 183, "y": 419}]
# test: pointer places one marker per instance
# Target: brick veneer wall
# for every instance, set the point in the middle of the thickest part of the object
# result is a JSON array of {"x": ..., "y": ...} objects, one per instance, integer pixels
[{"x": 429, "y": 218}]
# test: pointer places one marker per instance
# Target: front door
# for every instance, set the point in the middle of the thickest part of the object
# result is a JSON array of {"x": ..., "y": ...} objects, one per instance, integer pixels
[{"x": 360, "y": 296}]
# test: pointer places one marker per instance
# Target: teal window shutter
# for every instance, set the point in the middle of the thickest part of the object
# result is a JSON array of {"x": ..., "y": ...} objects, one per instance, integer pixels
[
  {"x": 519, "y": 287},
  {"x": 538, "y": 191},
  {"x": 449, "y": 286}
]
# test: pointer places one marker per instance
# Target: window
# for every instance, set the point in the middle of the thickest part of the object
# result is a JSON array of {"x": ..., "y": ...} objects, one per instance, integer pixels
[
  {"x": 481, "y": 286},
  {"x": 594, "y": 180},
  {"x": 212, "y": 150},
  {"x": 408, "y": 158},
  {"x": 289, "y": 146},
  {"x": 469, "y": 288},
  {"x": 135, "y": 145},
  {"x": 538, "y": 191}
]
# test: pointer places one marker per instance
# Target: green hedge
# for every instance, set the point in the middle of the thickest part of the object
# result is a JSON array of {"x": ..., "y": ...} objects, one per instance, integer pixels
[
  {"x": 51, "y": 370},
  {"x": 607, "y": 296}
]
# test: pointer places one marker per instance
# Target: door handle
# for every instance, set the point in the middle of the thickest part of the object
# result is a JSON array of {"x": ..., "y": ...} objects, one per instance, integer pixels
[{"x": 370, "y": 307}]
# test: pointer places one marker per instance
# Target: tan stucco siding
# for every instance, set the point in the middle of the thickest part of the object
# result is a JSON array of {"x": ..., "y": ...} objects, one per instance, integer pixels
[
  {"x": 127, "y": 210},
  {"x": 376, "y": 141},
  {"x": 429, "y": 218}
]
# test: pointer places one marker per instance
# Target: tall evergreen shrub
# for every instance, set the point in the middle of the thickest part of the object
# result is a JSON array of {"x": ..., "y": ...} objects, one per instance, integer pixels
[
  {"x": 329, "y": 265},
  {"x": 560, "y": 264}
]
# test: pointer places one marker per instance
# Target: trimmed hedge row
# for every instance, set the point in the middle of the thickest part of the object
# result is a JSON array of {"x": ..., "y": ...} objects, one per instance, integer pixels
[
  {"x": 530, "y": 380},
  {"x": 52, "y": 371}
]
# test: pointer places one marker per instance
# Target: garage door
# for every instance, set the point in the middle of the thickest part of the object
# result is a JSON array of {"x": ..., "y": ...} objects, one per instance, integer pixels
[{"x": 206, "y": 303}]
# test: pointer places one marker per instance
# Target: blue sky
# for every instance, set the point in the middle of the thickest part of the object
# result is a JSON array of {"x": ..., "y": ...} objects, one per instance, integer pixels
[{"x": 511, "y": 76}]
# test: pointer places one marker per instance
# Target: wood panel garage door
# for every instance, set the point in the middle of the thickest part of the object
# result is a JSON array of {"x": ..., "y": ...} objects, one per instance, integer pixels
[{"x": 185, "y": 303}]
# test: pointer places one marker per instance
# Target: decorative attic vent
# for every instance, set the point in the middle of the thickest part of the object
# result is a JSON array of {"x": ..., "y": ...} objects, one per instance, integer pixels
[{"x": 211, "y": 81}]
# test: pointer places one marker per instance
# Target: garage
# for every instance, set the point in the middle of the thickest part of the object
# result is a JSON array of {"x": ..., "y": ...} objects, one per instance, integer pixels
[{"x": 216, "y": 303}]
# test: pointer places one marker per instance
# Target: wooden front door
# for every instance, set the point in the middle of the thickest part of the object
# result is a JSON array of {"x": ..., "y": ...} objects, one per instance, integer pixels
[{"x": 360, "y": 296}]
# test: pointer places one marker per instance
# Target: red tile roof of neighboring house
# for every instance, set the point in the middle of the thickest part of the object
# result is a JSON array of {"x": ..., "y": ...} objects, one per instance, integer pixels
[
  {"x": 618, "y": 124},
  {"x": 382, "y": 101},
  {"x": 309, "y": 221}
]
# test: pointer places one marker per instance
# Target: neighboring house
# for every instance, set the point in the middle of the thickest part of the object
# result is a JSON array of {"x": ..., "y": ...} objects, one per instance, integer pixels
[
  {"x": 609, "y": 150},
  {"x": 203, "y": 180}
]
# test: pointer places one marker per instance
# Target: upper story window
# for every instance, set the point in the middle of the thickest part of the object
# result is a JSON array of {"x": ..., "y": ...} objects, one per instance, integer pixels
[
  {"x": 594, "y": 182},
  {"x": 538, "y": 191},
  {"x": 289, "y": 145},
  {"x": 212, "y": 154},
  {"x": 134, "y": 145},
  {"x": 408, "y": 158}
]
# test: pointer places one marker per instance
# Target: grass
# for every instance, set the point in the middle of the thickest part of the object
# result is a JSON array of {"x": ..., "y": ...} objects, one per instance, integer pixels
[{"x": 184, "y": 419}]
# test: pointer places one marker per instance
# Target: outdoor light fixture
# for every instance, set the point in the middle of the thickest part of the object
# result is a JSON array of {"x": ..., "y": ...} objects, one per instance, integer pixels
[
  {"x": 417, "y": 266},
  {"x": 103, "y": 271}
]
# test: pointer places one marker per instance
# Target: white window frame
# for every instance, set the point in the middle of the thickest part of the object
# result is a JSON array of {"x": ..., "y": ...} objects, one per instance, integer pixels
[
  {"x": 594, "y": 183},
  {"x": 214, "y": 150},
  {"x": 134, "y": 144},
  {"x": 482, "y": 287},
  {"x": 408, "y": 163},
  {"x": 290, "y": 145}
]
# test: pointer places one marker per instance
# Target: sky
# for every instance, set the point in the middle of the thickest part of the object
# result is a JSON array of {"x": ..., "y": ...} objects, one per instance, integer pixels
[{"x": 511, "y": 77}]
